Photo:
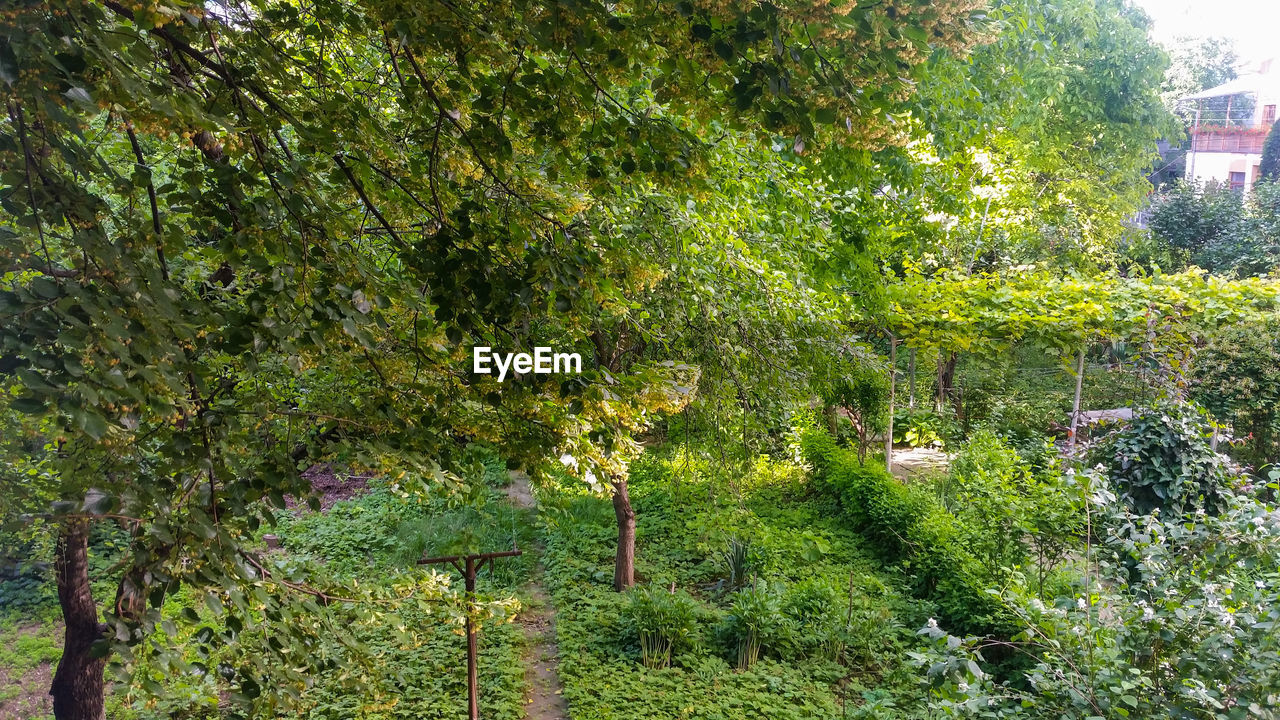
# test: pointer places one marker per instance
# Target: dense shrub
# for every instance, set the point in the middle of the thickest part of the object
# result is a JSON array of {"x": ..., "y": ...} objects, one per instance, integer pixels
[
  {"x": 1215, "y": 228},
  {"x": 1163, "y": 459},
  {"x": 907, "y": 525},
  {"x": 990, "y": 488},
  {"x": 1237, "y": 379},
  {"x": 1194, "y": 638}
]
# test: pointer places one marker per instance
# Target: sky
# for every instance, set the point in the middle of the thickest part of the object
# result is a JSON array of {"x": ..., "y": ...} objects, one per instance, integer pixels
[{"x": 1254, "y": 25}]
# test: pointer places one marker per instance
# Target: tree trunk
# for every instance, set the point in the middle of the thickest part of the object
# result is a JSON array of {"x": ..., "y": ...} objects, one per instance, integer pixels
[
  {"x": 911, "y": 373},
  {"x": 893, "y": 388},
  {"x": 77, "y": 684},
  {"x": 624, "y": 567},
  {"x": 946, "y": 380}
]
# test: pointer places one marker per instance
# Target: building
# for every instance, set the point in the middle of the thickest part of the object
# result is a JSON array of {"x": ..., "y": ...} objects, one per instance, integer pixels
[{"x": 1230, "y": 127}]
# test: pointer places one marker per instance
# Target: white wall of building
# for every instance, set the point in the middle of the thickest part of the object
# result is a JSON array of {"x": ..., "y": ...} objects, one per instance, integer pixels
[{"x": 1218, "y": 166}]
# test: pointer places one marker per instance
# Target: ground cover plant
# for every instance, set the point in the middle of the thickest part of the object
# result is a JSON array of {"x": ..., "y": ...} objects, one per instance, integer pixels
[
  {"x": 815, "y": 627},
  {"x": 895, "y": 394}
]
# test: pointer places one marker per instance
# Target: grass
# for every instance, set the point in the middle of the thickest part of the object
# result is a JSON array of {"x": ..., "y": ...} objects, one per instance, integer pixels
[
  {"x": 688, "y": 510},
  {"x": 368, "y": 539},
  {"x": 29, "y": 649}
]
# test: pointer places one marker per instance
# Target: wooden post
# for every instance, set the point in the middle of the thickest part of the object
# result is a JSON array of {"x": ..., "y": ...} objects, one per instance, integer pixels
[
  {"x": 1075, "y": 406},
  {"x": 469, "y": 565},
  {"x": 893, "y": 382},
  {"x": 911, "y": 378}
]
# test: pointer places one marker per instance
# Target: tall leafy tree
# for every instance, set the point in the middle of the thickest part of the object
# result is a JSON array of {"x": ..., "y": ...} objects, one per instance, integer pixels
[
  {"x": 1269, "y": 168},
  {"x": 1036, "y": 147},
  {"x": 1197, "y": 64},
  {"x": 244, "y": 236}
]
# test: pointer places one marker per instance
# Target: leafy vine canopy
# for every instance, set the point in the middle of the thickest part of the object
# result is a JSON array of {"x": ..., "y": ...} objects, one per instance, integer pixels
[{"x": 985, "y": 313}]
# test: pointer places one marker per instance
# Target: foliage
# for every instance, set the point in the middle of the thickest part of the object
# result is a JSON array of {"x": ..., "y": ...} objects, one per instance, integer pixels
[
  {"x": 1162, "y": 459},
  {"x": 906, "y": 524},
  {"x": 741, "y": 563},
  {"x": 813, "y": 607},
  {"x": 1269, "y": 168},
  {"x": 1010, "y": 513},
  {"x": 863, "y": 392},
  {"x": 923, "y": 427},
  {"x": 1199, "y": 64},
  {"x": 241, "y": 239},
  {"x": 689, "y": 504},
  {"x": 665, "y": 622},
  {"x": 986, "y": 313},
  {"x": 1195, "y": 220},
  {"x": 1194, "y": 638},
  {"x": 1215, "y": 228},
  {"x": 987, "y": 490},
  {"x": 755, "y": 623},
  {"x": 419, "y": 647},
  {"x": 1237, "y": 379},
  {"x": 1065, "y": 98}
]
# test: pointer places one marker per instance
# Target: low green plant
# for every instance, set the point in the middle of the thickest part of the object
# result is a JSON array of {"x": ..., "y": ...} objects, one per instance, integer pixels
[
  {"x": 755, "y": 622},
  {"x": 664, "y": 621},
  {"x": 738, "y": 562},
  {"x": 923, "y": 427},
  {"x": 815, "y": 607},
  {"x": 906, "y": 524}
]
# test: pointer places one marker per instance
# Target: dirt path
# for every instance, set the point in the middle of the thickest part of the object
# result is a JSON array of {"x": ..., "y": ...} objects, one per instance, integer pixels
[
  {"x": 544, "y": 700},
  {"x": 917, "y": 463}
]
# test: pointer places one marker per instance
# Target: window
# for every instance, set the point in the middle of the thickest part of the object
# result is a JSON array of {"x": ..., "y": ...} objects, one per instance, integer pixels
[
  {"x": 1268, "y": 115},
  {"x": 1237, "y": 181}
]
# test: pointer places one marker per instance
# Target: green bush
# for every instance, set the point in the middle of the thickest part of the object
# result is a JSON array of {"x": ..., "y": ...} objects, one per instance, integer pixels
[
  {"x": 1162, "y": 459},
  {"x": 665, "y": 623},
  {"x": 755, "y": 623},
  {"x": 990, "y": 489},
  {"x": 1237, "y": 379},
  {"x": 908, "y": 526}
]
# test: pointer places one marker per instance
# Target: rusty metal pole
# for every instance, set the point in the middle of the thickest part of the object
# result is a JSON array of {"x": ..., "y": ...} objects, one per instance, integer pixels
[
  {"x": 473, "y": 684},
  {"x": 468, "y": 565}
]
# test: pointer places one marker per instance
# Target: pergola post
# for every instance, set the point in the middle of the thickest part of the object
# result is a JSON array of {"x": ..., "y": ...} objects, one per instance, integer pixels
[
  {"x": 1075, "y": 406},
  {"x": 893, "y": 383}
]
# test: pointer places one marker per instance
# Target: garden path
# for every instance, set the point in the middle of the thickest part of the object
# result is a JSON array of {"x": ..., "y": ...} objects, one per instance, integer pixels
[{"x": 545, "y": 699}]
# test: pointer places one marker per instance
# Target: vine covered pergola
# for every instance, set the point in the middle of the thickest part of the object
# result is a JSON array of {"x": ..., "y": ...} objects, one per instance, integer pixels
[{"x": 987, "y": 314}]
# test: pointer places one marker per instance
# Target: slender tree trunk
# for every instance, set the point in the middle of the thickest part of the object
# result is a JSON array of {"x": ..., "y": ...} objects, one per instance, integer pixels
[
  {"x": 946, "y": 379},
  {"x": 77, "y": 684},
  {"x": 624, "y": 567},
  {"x": 893, "y": 386},
  {"x": 1075, "y": 405},
  {"x": 911, "y": 373}
]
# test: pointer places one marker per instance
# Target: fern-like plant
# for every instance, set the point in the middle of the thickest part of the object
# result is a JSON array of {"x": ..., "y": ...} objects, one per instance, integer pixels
[{"x": 664, "y": 621}]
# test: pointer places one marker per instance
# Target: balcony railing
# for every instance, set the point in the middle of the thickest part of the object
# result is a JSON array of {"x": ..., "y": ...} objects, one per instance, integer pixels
[{"x": 1229, "y": 139}]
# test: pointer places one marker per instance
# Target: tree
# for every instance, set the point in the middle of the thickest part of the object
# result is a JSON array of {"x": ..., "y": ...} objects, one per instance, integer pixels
[
  {"x": 1198, "y": 64},
  {"x": 1269, "y": 169},
  {"x": 1195, "y": 221},
  {"x": 1036, "y": 147},
  {"x": 1216, "y": 228},
  {"x": 244, "y": 237}
]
